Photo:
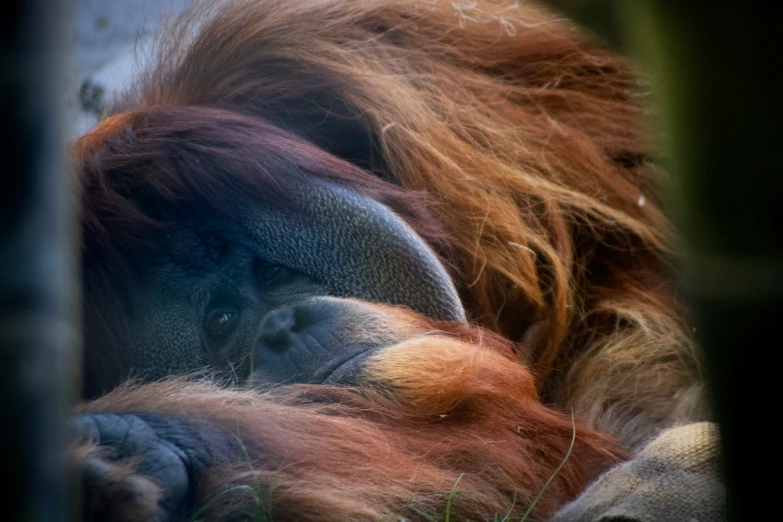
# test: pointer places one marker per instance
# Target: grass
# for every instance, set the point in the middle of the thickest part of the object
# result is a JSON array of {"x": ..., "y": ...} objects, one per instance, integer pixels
[
  {"x": 508, "y": 514},
  {"x": 507, "y": 518},
  {"x": 452, "y": 496},
  {"x": 264, "y": 510},
  {"x": 554, "y": 474},
  {"x": 262, "y": 513}
]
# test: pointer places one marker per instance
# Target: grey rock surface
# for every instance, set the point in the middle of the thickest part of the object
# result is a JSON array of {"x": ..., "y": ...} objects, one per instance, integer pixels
[{"x": 108, "y": 40}]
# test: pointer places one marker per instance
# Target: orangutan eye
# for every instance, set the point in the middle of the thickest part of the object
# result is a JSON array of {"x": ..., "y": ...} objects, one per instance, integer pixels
[
  {"x": 270, "y": 275},
  {"x": 220, "y": 323}
]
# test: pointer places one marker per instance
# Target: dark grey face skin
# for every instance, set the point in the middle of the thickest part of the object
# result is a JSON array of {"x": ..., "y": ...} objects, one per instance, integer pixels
[
  {"x": 224, "y": 308},
  {"x": 225, "y": 289},
  {"x": 202, "y": 306}
]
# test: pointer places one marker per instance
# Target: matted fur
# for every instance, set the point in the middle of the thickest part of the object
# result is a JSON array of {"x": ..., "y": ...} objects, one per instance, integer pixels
[{"x": 524, "y": 134}]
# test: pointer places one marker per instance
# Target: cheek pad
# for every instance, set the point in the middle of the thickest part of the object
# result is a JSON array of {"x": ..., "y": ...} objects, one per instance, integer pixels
[{"x": 356, "y": 246}]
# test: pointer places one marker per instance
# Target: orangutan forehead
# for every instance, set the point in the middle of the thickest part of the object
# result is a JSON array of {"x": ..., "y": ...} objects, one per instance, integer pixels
[
  {"x": 186, "y": 244},
  {"x": 194, "y": 246}
]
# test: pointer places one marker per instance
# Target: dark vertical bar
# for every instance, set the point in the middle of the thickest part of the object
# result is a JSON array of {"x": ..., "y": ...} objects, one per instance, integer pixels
[
  {"x": 713, "y": 66},
  {"x": 38, "y": 290}
]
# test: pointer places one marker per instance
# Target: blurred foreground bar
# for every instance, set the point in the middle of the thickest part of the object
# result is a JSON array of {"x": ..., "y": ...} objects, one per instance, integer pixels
[
  {"x": 713, "y": 66},
  {"x": 38, "y": 283}
]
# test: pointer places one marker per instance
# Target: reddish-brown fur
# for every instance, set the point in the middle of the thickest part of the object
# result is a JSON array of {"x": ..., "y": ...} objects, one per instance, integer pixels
[
  {"x": 516, "y": 151},
  {"x": 183, "y": 156},
  {"x": 518, "y": 155},
  {"x": 434, "y": 413}
]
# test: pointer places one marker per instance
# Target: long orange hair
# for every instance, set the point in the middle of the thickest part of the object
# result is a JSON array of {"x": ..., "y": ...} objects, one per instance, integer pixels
[{"x": 527, "y": 138}]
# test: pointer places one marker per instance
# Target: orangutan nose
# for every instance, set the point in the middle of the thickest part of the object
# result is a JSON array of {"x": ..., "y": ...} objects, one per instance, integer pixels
[{"x": 278, "y": 329}]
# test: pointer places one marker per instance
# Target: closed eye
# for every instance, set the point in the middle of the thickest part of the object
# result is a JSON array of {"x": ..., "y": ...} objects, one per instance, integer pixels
[{"x": 270, "y": 275}]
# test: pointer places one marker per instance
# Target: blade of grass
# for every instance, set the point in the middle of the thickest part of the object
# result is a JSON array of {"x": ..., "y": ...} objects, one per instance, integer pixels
[
  {"x": 452, "y": 496},
  {"x": 426, "y": 516},
  {"x": 551, "y": 478},
  {"x": 513, "y": 503}
]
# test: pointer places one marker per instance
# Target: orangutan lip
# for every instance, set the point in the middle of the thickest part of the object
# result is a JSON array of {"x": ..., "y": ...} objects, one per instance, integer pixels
[{"x": 338, "y": 372}]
